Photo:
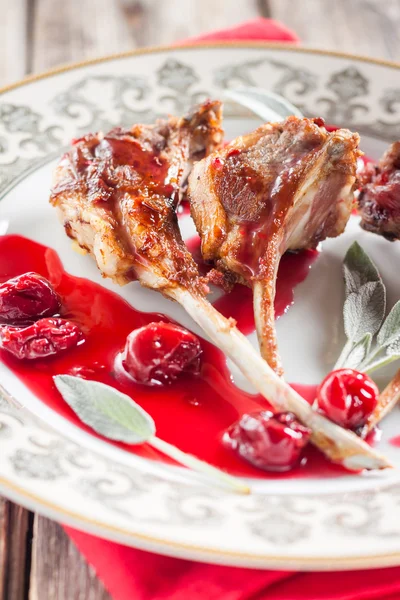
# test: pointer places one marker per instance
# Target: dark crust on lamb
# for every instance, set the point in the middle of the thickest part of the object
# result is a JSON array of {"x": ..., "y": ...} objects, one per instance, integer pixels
[
  {"x": 117, "y": 194},
  {"x": 251, "y": 188},
  {"x": 285, "y": 186},
  {"x": 379, "y": 198}
]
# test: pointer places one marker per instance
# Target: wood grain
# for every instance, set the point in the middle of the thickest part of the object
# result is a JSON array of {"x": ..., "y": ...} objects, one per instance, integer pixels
[
  {"x": 172, "y": 20},
  {"x": 80, "y": 29},
  {"x": 14, "y": 550},
  {"x": 13, "y": 40},
  {"x": 73, "y": 30},
  {"x": 369, "y": 27},
  {"x": 58, "y": 571}
]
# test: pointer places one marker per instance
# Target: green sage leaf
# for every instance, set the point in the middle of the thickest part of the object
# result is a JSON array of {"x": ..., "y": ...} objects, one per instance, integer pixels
[
  {"x": 390, "y": 330},
  {"x": 358, "y": 269},
  {"x": 359, "y": 352},
  {"x": 394, "y": 348},
  {"x": 106, "y": 410},
  {"x": 117, "y": 417},
  {"x": 364, "y": 310}
]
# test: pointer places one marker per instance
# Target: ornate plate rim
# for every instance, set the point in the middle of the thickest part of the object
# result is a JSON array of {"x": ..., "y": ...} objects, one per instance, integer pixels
[
  {"x": 71, "y": 66},
  {"x": 201, "y": 553},
  {"x": 150, "y": 542}
]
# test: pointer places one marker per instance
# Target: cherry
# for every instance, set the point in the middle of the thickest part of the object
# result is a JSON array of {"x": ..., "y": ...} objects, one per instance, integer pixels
[
  {"x": 159, "y": 352},
  {"x": 321, "y": 123},
  {"x": 217, "y": 163},
  {"x": 41, "y": 339},
  {"x": 347, "y": 397},
  {"x": 270, "y": 442},
  {"x": 26, "y": 298},
  {"x": 233, "y": 152}
]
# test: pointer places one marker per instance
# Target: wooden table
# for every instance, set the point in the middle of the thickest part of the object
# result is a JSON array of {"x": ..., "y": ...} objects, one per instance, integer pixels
[{"x": 37, "y": 560}]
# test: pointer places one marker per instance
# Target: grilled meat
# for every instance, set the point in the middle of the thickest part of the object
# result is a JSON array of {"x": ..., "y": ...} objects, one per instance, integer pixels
[
  {"x": 286, "y": 186},
  {"x": 117, "y": 194},
  {"x": 379, "y": 199}
]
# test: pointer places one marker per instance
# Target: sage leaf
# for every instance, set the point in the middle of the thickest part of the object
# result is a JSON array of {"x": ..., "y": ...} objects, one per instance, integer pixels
[
  {"x": 358, "y": 269},
  {"x": 394, "y": 348},
  {"x": 359, "y": 352},
  {"x": 106, "y": 410},
  {"x": 117, "y": 417},
  {"x": 390, "y": 330},
  {"x": 364, "y": 310}
]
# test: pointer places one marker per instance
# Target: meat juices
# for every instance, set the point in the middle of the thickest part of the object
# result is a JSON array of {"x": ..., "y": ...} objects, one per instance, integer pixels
[{"x": 285, "y": 186}]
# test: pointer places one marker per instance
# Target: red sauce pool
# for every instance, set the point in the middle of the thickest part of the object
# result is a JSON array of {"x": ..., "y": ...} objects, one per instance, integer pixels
[
  {"x": 238, "y": 303},
  {"x": 293, "y": 269},
  {"x": 192, "y": 413},
  {"x": 183, "y": 209},
  {"x": 395, "y": 441}
]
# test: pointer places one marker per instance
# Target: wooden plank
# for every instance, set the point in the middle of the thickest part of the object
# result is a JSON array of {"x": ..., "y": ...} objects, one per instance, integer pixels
[
  {"x": 3, "y": 548},
  {"x": 13, "y": 40},
  {"x": 369, "y": 27},
  {"x": 81, "y": 29},
  {"x": 116, "y": 26},
  {"x": 14, "y": 550},
  {"x": 58, "y": 570},
  {"x": 75, "y": 30},
  {"x": 15, "y": 521},
  {"x": 168, "y": 21}
]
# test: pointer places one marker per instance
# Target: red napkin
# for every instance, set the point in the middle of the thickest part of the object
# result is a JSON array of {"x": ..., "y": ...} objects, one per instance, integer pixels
[
  {"x": 131, "y": 574},
  {"x": 258, "y": 29}
]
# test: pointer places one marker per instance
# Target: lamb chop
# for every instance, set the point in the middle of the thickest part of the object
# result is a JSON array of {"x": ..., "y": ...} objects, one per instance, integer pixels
[
  {"x": 116, "y": 195},
  {"x": 379, "y": 199},
  {"x": 285, "y": 186}
]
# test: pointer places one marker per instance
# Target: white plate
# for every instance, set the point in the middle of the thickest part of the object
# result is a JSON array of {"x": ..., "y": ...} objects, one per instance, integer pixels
[{"x": 53, "y": 467}]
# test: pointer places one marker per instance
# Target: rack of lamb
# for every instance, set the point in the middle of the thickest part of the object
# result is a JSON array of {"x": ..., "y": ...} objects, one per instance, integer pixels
[{"x": 117, "y": 194}]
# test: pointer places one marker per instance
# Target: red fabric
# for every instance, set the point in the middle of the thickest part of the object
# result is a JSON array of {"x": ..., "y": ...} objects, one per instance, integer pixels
[
  {"x": 131, "y": 574},
  {"x": 257, "y": 29}
]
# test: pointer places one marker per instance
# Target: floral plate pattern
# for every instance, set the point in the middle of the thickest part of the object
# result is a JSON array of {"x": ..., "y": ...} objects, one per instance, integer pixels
[{"x": 49, "y": 465}]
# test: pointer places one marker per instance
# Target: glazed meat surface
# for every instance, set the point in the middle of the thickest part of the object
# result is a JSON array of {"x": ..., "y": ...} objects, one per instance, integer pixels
[
  {"x": 379, "y": 199},
  {"x": 117, "y": 194},
  {"x": 286, "y": 186}
]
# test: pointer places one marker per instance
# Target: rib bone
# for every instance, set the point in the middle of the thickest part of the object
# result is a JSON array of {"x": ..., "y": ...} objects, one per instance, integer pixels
[
  {"x": 387, "y": 401},
  {"x": 338, "y": 444}
]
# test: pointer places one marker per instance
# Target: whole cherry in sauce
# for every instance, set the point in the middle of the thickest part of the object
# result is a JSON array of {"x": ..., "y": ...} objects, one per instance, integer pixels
[
  {"x": 159, "y": 352},
  {"x": 26, "y": 298},
  {"x": 272, "y": 442},
  {"x": 44, "y": 338},
  {"x": 347, "y": 397}
]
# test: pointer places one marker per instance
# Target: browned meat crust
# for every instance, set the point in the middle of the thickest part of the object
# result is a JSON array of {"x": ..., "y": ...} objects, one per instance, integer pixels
[
  {"x": 117, "y": 194},
  {"x": 285, "y": 186},
  {"x": 379, "y": 199}
]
